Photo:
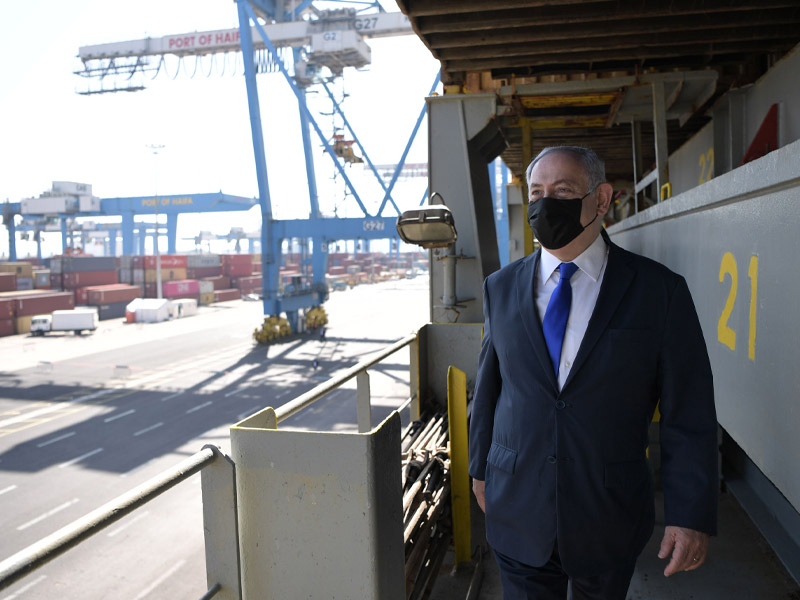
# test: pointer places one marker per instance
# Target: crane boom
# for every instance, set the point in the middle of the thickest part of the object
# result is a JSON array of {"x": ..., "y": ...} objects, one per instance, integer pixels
[{"x": 292, "y": 33}]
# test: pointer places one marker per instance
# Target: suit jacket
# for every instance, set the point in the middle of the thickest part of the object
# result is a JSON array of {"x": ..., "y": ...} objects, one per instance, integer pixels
[{"x": 571, "y": 465}]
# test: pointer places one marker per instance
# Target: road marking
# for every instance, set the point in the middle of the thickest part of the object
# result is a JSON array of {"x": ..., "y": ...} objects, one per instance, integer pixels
[
  {"x": 79, "y": 458},
  {"x": 199, "y": 406},
  {"x": 171, "y": 396},
  {"x": 128, "y": 524},
  {"x": 146, "y": 429},
  {"x": 119, "y": 416},
  {"x": 279, "y": 396},
  {"x": 146, "y": 592},
  {"x": 234, "y": 392},
  {"x": 247, "y": 413},
  {"x": 24, "y": 589},
  {"x": 55, "y": 439},
  {"x": 8, "y": 489},
  {"x": 52, "y": 408},
  {"x": 49, "y": 513}
]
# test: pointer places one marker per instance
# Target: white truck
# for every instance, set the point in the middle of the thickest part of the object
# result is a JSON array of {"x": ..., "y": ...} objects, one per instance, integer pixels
[{"x": 77, "y": 320}]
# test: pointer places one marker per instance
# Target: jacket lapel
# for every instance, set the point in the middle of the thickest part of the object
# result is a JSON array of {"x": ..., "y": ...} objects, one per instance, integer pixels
[
  {"x": 618, "y": 277},
  {"x": 526, "y": 306}
]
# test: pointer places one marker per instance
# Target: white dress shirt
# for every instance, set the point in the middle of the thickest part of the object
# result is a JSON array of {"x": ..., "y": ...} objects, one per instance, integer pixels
[{"x": 585, "y": 288}]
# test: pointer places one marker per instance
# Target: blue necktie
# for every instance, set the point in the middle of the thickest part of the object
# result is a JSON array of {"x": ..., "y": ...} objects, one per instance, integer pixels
[{"x": 555, "y": 317}]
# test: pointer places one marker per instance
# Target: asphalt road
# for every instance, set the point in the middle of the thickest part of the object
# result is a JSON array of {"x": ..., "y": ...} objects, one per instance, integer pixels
[{"x": 84, "y": 419}]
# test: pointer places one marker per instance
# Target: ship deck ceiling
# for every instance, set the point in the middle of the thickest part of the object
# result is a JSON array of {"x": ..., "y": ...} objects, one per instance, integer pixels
[{"x": 510, "y": 46}]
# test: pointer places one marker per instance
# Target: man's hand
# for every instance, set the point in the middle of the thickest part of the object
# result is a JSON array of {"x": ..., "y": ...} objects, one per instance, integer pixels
[
  {"x": 480, "y": 494},
  {"x": 687, "y": 546}
]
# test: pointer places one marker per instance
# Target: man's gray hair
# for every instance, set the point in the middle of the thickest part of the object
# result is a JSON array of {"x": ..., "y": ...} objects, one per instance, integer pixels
[{"x": 594, "y": 166}]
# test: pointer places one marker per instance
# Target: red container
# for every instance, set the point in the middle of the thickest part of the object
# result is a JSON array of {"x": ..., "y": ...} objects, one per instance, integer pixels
[
  {"x": 236, "y": 259},
  {"x": 43, "y": 304},
  {"x": 72, "y": 281},
  {"x": 112, "y": 294},
  {"x": 168, "y": 261},
  {"x": 81, "y": 295},
  {"x": 247, "y": 285},
  {"x": 225, "y": 295},
  {"x": 221, "y": 282},
  {"x": 8, "y": 282},
  {"x": 137, "y": 262},
  {"x": 150, "y": 290},
  {"x": 55, "y": 281},
  {"x": 237, "y": 269},
  {"x": 181, "y": 289},
  {"x": 203, "y": 272},
  {"x": 6, "y": 327},
  {"x": 7, "y": 309},
  {"x": 257, "y": 267}
]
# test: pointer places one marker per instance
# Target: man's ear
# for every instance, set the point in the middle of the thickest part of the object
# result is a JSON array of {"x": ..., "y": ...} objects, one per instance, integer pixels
[{"x": 604, "y": 194}]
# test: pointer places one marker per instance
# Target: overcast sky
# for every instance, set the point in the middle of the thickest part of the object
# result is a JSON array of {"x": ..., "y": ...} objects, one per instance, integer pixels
[{"x": 51, "y": 133}]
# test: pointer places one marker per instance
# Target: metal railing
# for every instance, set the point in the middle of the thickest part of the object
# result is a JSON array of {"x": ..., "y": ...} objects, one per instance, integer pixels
[{"x": 38, "y": 554}]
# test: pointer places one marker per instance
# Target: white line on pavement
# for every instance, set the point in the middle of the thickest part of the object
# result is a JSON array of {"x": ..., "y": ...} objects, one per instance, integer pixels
[
  {"x": 128, "y": 524},
  {"x": 234, "y": 392},
  {"x": 171, "y": 396},
  {"x": 119, "y": 416},
  {"x": 8, "y": 489},
  {"x": 24, "y": 589},
  {"x": 55, "y": 439},
  {"x": 49, "y": 513},
  {"x": 146, "y": 429},
  {"x": 146, "y": 592},
  {"x": 199, "y": 406},
  {"x": 79, "y": 458},
  {"x": 52, "y": 408}
]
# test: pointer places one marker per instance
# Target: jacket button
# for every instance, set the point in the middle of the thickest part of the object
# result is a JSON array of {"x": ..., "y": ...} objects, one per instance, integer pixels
[
  {"x": 551, "y": 459},
  {"x": 560, "y": 404}
]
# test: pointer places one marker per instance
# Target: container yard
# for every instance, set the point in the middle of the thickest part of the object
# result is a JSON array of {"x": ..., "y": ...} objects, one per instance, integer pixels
[{"x": 109, "y": 284}]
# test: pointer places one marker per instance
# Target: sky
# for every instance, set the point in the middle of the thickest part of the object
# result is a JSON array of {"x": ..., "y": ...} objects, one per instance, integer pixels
[{"x": 52, "y": 133}]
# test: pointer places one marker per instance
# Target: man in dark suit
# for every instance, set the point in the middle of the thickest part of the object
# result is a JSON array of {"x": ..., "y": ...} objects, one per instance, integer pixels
[{"x": 582, "y": 340}]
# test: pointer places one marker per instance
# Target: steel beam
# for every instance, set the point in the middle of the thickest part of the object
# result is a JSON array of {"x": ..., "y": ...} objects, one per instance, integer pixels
[{"x": 660, "y": 128}]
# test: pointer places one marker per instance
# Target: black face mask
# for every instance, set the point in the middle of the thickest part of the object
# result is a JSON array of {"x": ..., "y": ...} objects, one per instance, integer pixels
[{"x": 557, "y": 221}]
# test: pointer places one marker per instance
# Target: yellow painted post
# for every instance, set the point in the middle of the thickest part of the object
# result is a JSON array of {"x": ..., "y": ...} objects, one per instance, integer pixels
[{"x": 459, "y": 474}]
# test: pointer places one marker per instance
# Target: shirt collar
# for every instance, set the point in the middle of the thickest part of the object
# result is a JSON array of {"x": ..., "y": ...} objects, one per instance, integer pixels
[{"x": 590, "y": 261}]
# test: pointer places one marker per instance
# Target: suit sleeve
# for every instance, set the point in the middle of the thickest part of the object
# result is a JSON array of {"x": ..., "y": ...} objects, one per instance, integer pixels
[
  {"x": 487, "y": 390},
  {"x": 689, "y": 453}
]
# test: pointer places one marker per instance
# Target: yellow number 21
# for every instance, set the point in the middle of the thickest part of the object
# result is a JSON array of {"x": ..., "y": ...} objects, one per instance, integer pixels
[{"x": 725, "y": 334}]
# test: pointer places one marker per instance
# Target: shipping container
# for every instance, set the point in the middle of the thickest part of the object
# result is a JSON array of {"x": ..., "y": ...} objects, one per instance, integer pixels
[
  {"x": 257, "y": 267},
  {"x": 167, "y": 274},
  {"x": 168, "y": 261},
  {"x": 225, "y": 295},
  {"x": 111, "y": 294},
  {"x": 7, "y": 306},
  {"x": 205, "y": 287},
  {"x": 184, "y": 307},
  {"x": 6, "y": 327},
  {"x": 201, "y": 272},
  {"x": 221, "y": 282},
  {"x": 174, "y": 289},
  {"x": 138, "y": 262},
  {"x": 56, "y": 281},
  {"x": 126, "y": 262},
  {"x": 148, "y": 310},
  {"x": 82, "y": 264},
  {"x": 43, "y": 302},
  {"x": 25, "y": 283},
  {"x": 8, "y": 282},
  {"x": 248, "y": 285},
  {"x": 20, "y": 269},
  {"x": 237, "y": 269},
  {"x": 236, "y": 259},
  {"x": 22, "y": 324},
  {"x": 73, "y": 188},
  {"x": 138, "y": 275},
  {"x": 200, "y": 261},
  {"x": 81, "y": 295},
  {"x": 76, "y": 279},
  {"x": 41, "y": 278},
  {"x": 207, "y": 298},
  {"x": 55, "y": 265},
  {"x": 115, "y": 310},
  {"x": 125, "y": 275}
]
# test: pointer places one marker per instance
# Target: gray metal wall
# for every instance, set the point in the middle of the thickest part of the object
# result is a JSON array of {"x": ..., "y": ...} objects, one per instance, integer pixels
[{"x": 736, "y": 241}]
